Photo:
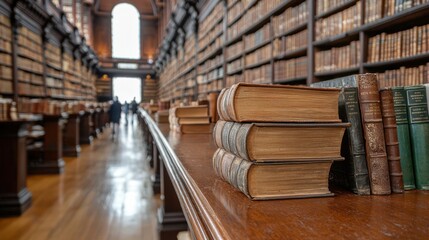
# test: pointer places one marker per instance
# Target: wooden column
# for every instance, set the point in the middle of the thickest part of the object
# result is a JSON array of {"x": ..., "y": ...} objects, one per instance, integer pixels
[
  {"x": 51, "y": 160},
  {"x": 71, "y": 147},
  {"x": 171, "y": 219},
  {"x": 85, "y": 128},
  {"x": 14, "y": 195}
]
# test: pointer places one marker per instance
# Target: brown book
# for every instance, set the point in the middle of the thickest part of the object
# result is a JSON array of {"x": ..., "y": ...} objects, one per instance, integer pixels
[
  {"x": 271, "y": 142},
  {"x": 369, "y": 101},
  {"x": 196, "y": 128},
  {"x": 212, "y": 97},
  {"x": 273, "y": 180},
  {"x": 245, "y": 102},
  {"x": 194, "y": 120},
  {"x": 392, "y": 142},
  {"x": 191, "y": 111}
]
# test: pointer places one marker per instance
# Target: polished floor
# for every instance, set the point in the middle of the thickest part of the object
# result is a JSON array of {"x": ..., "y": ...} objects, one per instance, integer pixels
[{"x": 104, "y": 194}]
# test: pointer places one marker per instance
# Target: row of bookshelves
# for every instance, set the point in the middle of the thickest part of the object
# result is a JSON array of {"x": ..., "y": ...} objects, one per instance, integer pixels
[{"x": 301, "y": 42}]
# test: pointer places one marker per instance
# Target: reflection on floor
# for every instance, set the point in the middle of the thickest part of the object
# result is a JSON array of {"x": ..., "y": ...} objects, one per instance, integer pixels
[{"x": 104, "y": 194}]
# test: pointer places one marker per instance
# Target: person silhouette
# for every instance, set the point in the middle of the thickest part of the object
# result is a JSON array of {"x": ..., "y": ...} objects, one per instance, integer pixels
[{"x": 115, "y": 115}]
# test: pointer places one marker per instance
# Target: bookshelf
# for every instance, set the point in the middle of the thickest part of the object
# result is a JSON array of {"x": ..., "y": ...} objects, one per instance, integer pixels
[
  {"x": 42, "y": 55},
  {"x": 294, "y": 42}
]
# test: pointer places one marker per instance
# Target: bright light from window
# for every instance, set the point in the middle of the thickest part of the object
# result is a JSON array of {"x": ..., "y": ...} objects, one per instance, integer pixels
[
  {"x": 127, "y": 88},
  {"x": 125, "y": 31}
]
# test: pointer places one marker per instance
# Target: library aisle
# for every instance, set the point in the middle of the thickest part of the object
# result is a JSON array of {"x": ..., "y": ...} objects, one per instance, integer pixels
[{"x": 104, "y": 194}]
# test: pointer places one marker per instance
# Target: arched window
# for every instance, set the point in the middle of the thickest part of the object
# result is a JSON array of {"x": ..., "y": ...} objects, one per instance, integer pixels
[{"x": 125, "y": 31}]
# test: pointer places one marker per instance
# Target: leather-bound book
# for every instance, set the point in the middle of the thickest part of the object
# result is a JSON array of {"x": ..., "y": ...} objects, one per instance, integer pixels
[
  {"x": 263, "y": 181},
  {"x": 392, "y": 143},
  {"x": 400, "y": 105},
  {"x": 245, "y": 102},
  {"x": 279, "y": 142},
  {"x": 353, "y": 172},
  {"x": 372, "y": 122},
  {"x": 419, "y": 133}
]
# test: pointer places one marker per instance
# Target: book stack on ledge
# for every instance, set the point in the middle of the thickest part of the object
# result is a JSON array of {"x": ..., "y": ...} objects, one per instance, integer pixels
[
  {"x": 386, "y": 146},
  {"x": 277, "y": 142},
  {"x": 190, "y": 119},
  {"x": 162, "y": 115}
]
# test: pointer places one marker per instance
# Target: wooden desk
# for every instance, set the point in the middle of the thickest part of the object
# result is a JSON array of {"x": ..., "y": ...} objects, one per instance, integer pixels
[
  {"x": 215, "y": 210},
  {"x": 14, "y": 195},
  {"x": 51, "y": 159},
  {"x": 71, "y": 147},
  {"x": 85, "y": 128}
]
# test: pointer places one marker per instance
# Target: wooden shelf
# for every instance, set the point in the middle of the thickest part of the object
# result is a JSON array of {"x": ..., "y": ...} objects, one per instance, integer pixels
[
  {"x": 210, "y": 55},
  {"x": 292, "y": 30},
  {"x": 285, "y": 81},
  {"x": 397, "y": 62},
  {"x": 257, "y": 46},
  {"x": 339, "y": 39},
  {"x": 335, "y": 9},
  {"x": 237, "y": 56},
  {"x": 399, "y": 18},
  {"x": 337, "y": 72},
  {"x": 292, "y": 54},
  {"x": 257, "y": 64},
  {"x": 235, "y": 71}
]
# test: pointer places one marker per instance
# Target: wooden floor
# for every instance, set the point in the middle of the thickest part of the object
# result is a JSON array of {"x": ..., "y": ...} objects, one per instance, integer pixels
[{"x": 104, "y": 194}]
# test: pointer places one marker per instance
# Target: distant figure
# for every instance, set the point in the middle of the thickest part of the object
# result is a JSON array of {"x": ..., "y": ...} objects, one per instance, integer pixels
[
  {"x": 134, "y": 108},
  {"x": 115, "y": 115},
  {"x": 126, "y": 111}
]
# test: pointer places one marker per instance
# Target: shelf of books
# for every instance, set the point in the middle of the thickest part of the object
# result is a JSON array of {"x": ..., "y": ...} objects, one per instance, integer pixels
[
  {"x": 302, "y": 42},
  {"x": 6, "y": 82},
  {"x": 150, "y": 89},
  {"x": 104, "y": 87},
  {"x": 30, "y": 63},
  {"x": 54, "y": 74}
]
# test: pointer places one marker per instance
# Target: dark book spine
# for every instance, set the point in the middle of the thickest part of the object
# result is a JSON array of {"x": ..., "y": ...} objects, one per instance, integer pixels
[
  {"x": 400, "y": 106},
  {"x": 353, "y": 144},
  {"x": 369, "y": 101},
  {"x": 419, "y": 133},
  {"x": 392, "y": 143}
]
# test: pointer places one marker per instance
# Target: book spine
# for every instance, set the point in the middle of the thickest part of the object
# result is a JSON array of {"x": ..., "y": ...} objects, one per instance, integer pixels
[
  {"x": 241, "y": 140},
  {"x": 419, "y": 133},
  {"x": 230, "y": 103},
  {"x": 219, "y": 104},
  {"x": 356, "y": 162},
  {"x": 232, "y": 169},
  {"x": 225, "y": 135},
  {"x": 369, "y": 101},
  {"x": 217, "y": 133},
  {"x": 400, "y": 106},
  {"x": 392, "y": 143},
  {"x": 232, "y": 136}
]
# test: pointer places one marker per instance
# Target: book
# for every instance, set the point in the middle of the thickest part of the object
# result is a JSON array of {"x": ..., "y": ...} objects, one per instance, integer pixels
[
  {"x": 274, "y": 142},
  {"x": 392, "y": 143},
  {"x": 376, "y": 156},
  {"x": 191, "y": 111},
  {"x": 419, "y": 133},
  {"x": 353, "y": 172},
  {"x": 194, "y": 120},
  {"x": 196, "y": 128},
  {"x": 285, "y": 104},
  {"x": 293, "y": 179},
  {"x": 407, "y": 166}
]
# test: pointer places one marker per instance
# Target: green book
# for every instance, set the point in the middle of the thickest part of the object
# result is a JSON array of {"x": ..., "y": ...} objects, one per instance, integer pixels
[
  {"x": 419, "y": 133},
  {"x": 400, "y": 105}
]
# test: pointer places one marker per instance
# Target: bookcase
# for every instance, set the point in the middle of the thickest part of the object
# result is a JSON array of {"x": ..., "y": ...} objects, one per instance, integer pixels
[
  {"x": 42, "y": 55},
  {"x": 293, "y": 42}
]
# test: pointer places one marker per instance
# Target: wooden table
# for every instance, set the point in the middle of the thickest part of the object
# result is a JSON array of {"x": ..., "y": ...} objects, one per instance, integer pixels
[{"x": 215, "y": 210}]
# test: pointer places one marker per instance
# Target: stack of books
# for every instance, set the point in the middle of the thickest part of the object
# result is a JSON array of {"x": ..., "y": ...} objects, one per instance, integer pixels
[
  {"x": 277, "y": 142},
  {"x": 190, "y": 119}
]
